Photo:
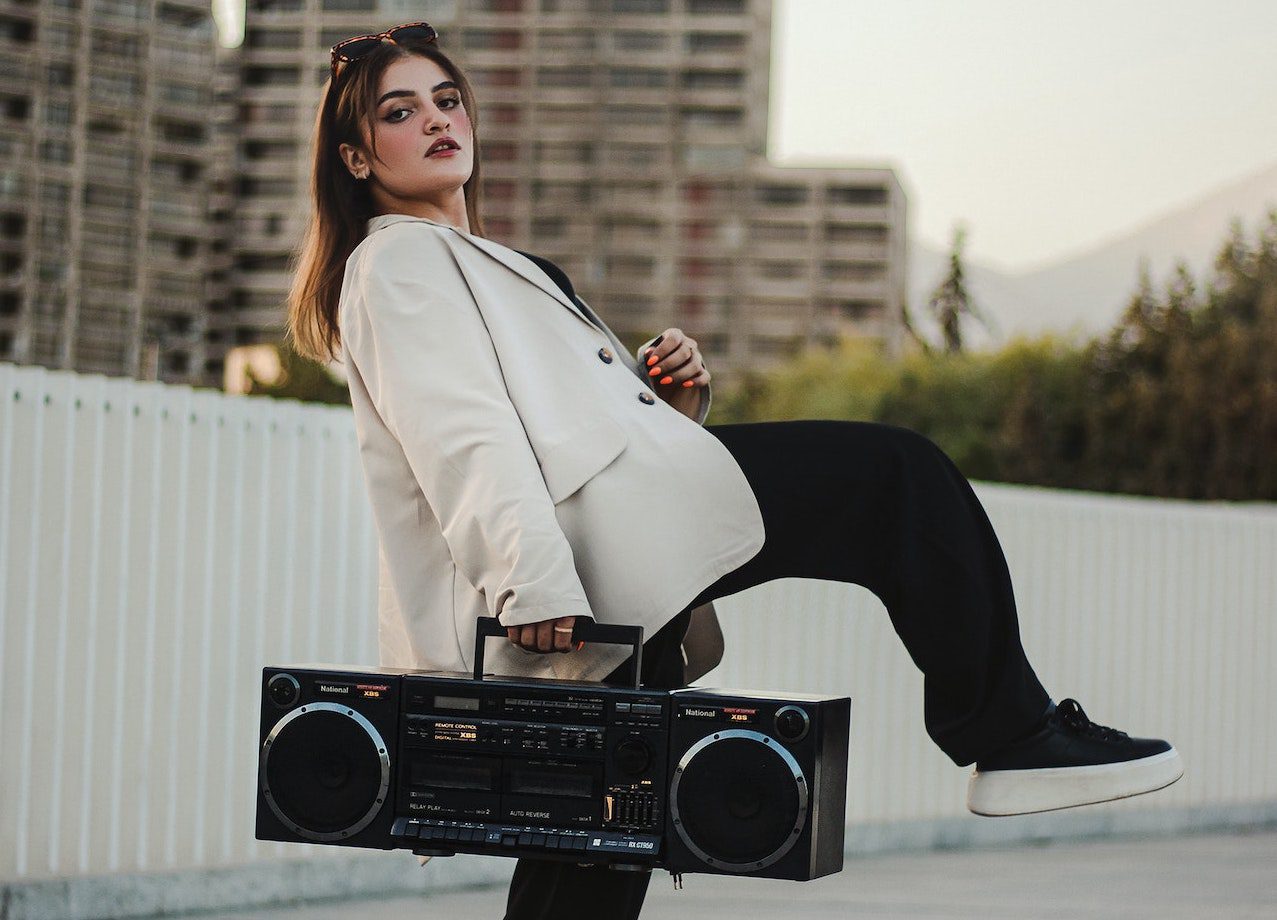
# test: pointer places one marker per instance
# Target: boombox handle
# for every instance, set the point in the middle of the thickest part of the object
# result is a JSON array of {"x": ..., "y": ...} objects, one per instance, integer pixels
[{"x": 585, "y": 629}]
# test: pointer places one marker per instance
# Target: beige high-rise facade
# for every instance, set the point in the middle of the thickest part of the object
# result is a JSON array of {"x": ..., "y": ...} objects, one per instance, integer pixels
[
  {"x": 625, "y": 140},
  {"x": 106, "y": 155}
]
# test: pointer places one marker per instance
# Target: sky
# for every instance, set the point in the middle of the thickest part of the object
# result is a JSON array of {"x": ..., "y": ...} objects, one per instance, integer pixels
[{"x": 1044, "y": 128}]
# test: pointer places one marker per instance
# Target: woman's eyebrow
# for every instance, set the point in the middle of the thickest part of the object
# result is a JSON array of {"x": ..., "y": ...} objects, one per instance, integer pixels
[{"x": 396, "y": 93}]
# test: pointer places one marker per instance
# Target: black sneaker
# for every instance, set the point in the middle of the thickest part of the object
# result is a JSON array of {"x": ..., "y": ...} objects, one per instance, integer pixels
[{"x": 1069, "y": 761}]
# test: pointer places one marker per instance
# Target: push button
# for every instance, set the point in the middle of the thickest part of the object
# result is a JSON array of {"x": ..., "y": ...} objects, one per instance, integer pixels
[
  {"x": 646, "y": 397},
  {"x": 538, "y": 840},
  {"x": 525, "y": 839},
  {"x": 605, "y": 355},
  {"x": 551, "y": 841}
]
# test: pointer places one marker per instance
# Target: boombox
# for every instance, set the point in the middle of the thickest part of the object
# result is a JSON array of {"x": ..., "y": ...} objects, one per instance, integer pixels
[{"x": 442, "y": 762}]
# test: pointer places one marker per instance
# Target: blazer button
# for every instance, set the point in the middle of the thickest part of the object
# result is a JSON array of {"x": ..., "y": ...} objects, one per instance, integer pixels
[
  {"x": 605, "y": 355},
  {"x": 647, "y": 397}
]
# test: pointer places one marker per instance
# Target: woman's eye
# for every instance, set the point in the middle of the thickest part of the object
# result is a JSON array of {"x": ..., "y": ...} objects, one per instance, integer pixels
[
  {"x": 390, "y": 116},
  {"x": 453, "y": 99}
]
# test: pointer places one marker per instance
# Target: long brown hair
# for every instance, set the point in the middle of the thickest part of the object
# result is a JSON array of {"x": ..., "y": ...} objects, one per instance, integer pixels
[{"x": 341, "y": 204}]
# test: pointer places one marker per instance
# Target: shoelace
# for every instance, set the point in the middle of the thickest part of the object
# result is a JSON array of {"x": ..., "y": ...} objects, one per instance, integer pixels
[{"x": 1072, "y": 716}]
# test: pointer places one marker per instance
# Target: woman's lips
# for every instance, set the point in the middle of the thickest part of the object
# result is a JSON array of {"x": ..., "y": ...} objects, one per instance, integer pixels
[{"x": 445, "y": 152}]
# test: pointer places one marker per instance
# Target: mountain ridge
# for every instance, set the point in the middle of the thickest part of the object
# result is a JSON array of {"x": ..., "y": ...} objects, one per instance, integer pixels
[{"x": 1084, "y": 294}]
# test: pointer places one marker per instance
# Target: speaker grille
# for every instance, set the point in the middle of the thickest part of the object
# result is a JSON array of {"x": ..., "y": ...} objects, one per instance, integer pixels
[
  {"x": 325, "y": 771},
  {"x": 739, "y": 798}
]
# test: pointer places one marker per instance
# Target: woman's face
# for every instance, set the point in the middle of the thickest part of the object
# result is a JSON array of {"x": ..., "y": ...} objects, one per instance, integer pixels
[{"x": 417, "y": 104}]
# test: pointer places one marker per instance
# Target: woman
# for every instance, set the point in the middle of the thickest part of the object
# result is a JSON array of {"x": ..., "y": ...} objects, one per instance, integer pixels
[{"x": 521, "y": 466}]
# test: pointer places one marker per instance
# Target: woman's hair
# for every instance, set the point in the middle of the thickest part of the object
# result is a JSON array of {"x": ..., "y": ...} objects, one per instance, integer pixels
[{"x": 341, "y": 204}]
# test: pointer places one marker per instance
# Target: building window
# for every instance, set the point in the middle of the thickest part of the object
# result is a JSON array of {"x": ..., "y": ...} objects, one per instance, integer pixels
[
  {"x": 57, "y": 112},
  {"x": 560, "y": 192},
  {"x": 714, "y": 42},
  {"x": 500, "y": 151},
  {"x": 630, "y": 266},
  {"x": 700, "y": 230},
  {"x": 287, "y": 39},
  {"x": 634, "y": 154},
  {"x": 784, "y": 195},
  {"x": 272, "y": 76},
  {"x": 184, "y": 131},
  {"x": 500, "y": 189},
  {"x": 641, "y": 6},
  {"x": 270, "y": 150},
  {"x": 711, "y": 118},
  {"x": 581, "y": 152},
  {"x": 544, "y": 228},
  {"x": 501, "y": 114},
  {"x": 777, "y": 233},
  {"x": 55, "y": 151},
  {"x": 716, "y": 7},
  {"x": 639, "y": 77},
  {"x": 857, "y": 310},
  {"x": 639, "y": 41},
  {"x": 124, "y": 46},
  {"x": 713, "y": 157},
  {"x": 856, "y": 233},
  {"x": 185, "y": 94},
  {"x": 852, "y": 271},
  {"x": 638, "y": 115},
  {"x": 581, "y": 76},
  {"x": 60, "y": 74},
  {"x": 780, "y": 271},
  {"x": 15, "y": 107},
  {"x": 566, "y": 40},
  {"x": 494, "y": 76},
  {"x": 712, "y": 79},
  {"x": 491, "y": 39},
  {"x": 858, "y": 194},
  {"x": 498, "y": 6}
]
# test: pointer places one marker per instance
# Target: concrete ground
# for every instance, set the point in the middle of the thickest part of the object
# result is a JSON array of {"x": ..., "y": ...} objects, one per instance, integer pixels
[{"x": 1231, "y": 875}]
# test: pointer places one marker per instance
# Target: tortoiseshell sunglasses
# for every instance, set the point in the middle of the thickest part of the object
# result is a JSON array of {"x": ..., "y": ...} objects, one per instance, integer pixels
[{"x": 351, "y": 49}]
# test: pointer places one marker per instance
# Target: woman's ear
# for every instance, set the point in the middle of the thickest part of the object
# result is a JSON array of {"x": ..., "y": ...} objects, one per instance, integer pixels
[{"x": 354, "y": 159}]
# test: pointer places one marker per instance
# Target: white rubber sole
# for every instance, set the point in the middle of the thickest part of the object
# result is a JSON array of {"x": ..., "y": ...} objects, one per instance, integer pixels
[{"x": 1022, "y": 792}]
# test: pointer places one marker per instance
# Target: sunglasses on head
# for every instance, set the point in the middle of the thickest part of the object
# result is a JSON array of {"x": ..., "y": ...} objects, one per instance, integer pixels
[{"x": 352, "y": 49}]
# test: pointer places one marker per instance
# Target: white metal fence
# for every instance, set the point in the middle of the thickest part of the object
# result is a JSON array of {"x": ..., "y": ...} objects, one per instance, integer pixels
[{"x": 159, "y": 545}]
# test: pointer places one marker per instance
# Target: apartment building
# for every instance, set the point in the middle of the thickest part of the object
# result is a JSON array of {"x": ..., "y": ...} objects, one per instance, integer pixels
[
  {"x": 155, "y": 183},
  {"x": 625, "y": 140},
  {"x": 106, "y": 146}
]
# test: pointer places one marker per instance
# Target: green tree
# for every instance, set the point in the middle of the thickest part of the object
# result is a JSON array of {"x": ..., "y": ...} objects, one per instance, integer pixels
[
  {"x": 951, "y": 301},
  {"x": 299, "y": 378}
]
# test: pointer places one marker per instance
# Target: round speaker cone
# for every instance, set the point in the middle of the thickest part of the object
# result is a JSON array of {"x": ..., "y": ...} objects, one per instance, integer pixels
[
  {"x": 324, "y": 771},
  {"x": 738, "y": 800}
]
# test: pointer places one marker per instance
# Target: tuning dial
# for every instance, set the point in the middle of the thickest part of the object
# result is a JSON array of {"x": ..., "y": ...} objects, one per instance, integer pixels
[
  {"x": 283, "y": 690},
  {"x": 791, "y": 723},
  {"x": 633, "y": 755}
]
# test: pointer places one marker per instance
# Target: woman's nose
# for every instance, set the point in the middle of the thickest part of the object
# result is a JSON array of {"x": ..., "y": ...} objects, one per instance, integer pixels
[{"x": 437, "y": 117}]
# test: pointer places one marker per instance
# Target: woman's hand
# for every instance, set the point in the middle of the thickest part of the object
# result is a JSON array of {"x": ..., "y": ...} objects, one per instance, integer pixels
[
  {"x": 679, "y": 373},
  {"x": 545, "y": 636}
]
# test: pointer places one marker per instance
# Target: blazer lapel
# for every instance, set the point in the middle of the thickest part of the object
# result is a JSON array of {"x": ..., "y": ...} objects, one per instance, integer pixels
[{"x": 512, "y": 260}]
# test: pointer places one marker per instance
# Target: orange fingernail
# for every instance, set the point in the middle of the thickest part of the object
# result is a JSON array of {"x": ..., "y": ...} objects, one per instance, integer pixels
[
  {"x": 688, "y": 383},
  {"x": 580, "y": 645},
  {"x": 667, "y": 380},
  {"x": 653, "y": 372},
  {"x": 652, "y": 360}
]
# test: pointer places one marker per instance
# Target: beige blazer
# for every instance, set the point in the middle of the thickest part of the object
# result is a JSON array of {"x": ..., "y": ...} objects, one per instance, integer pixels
[{"x": 517, "y": 460}]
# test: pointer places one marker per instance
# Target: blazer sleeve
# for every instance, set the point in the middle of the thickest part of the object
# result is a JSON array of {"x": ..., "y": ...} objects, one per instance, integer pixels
[
  {"x": 413, "y": 329},
  {"x": 707, "y": 395}
]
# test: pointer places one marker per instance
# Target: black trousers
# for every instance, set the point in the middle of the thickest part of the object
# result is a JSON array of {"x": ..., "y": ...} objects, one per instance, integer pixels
[{"x": 873, "y": 505}]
